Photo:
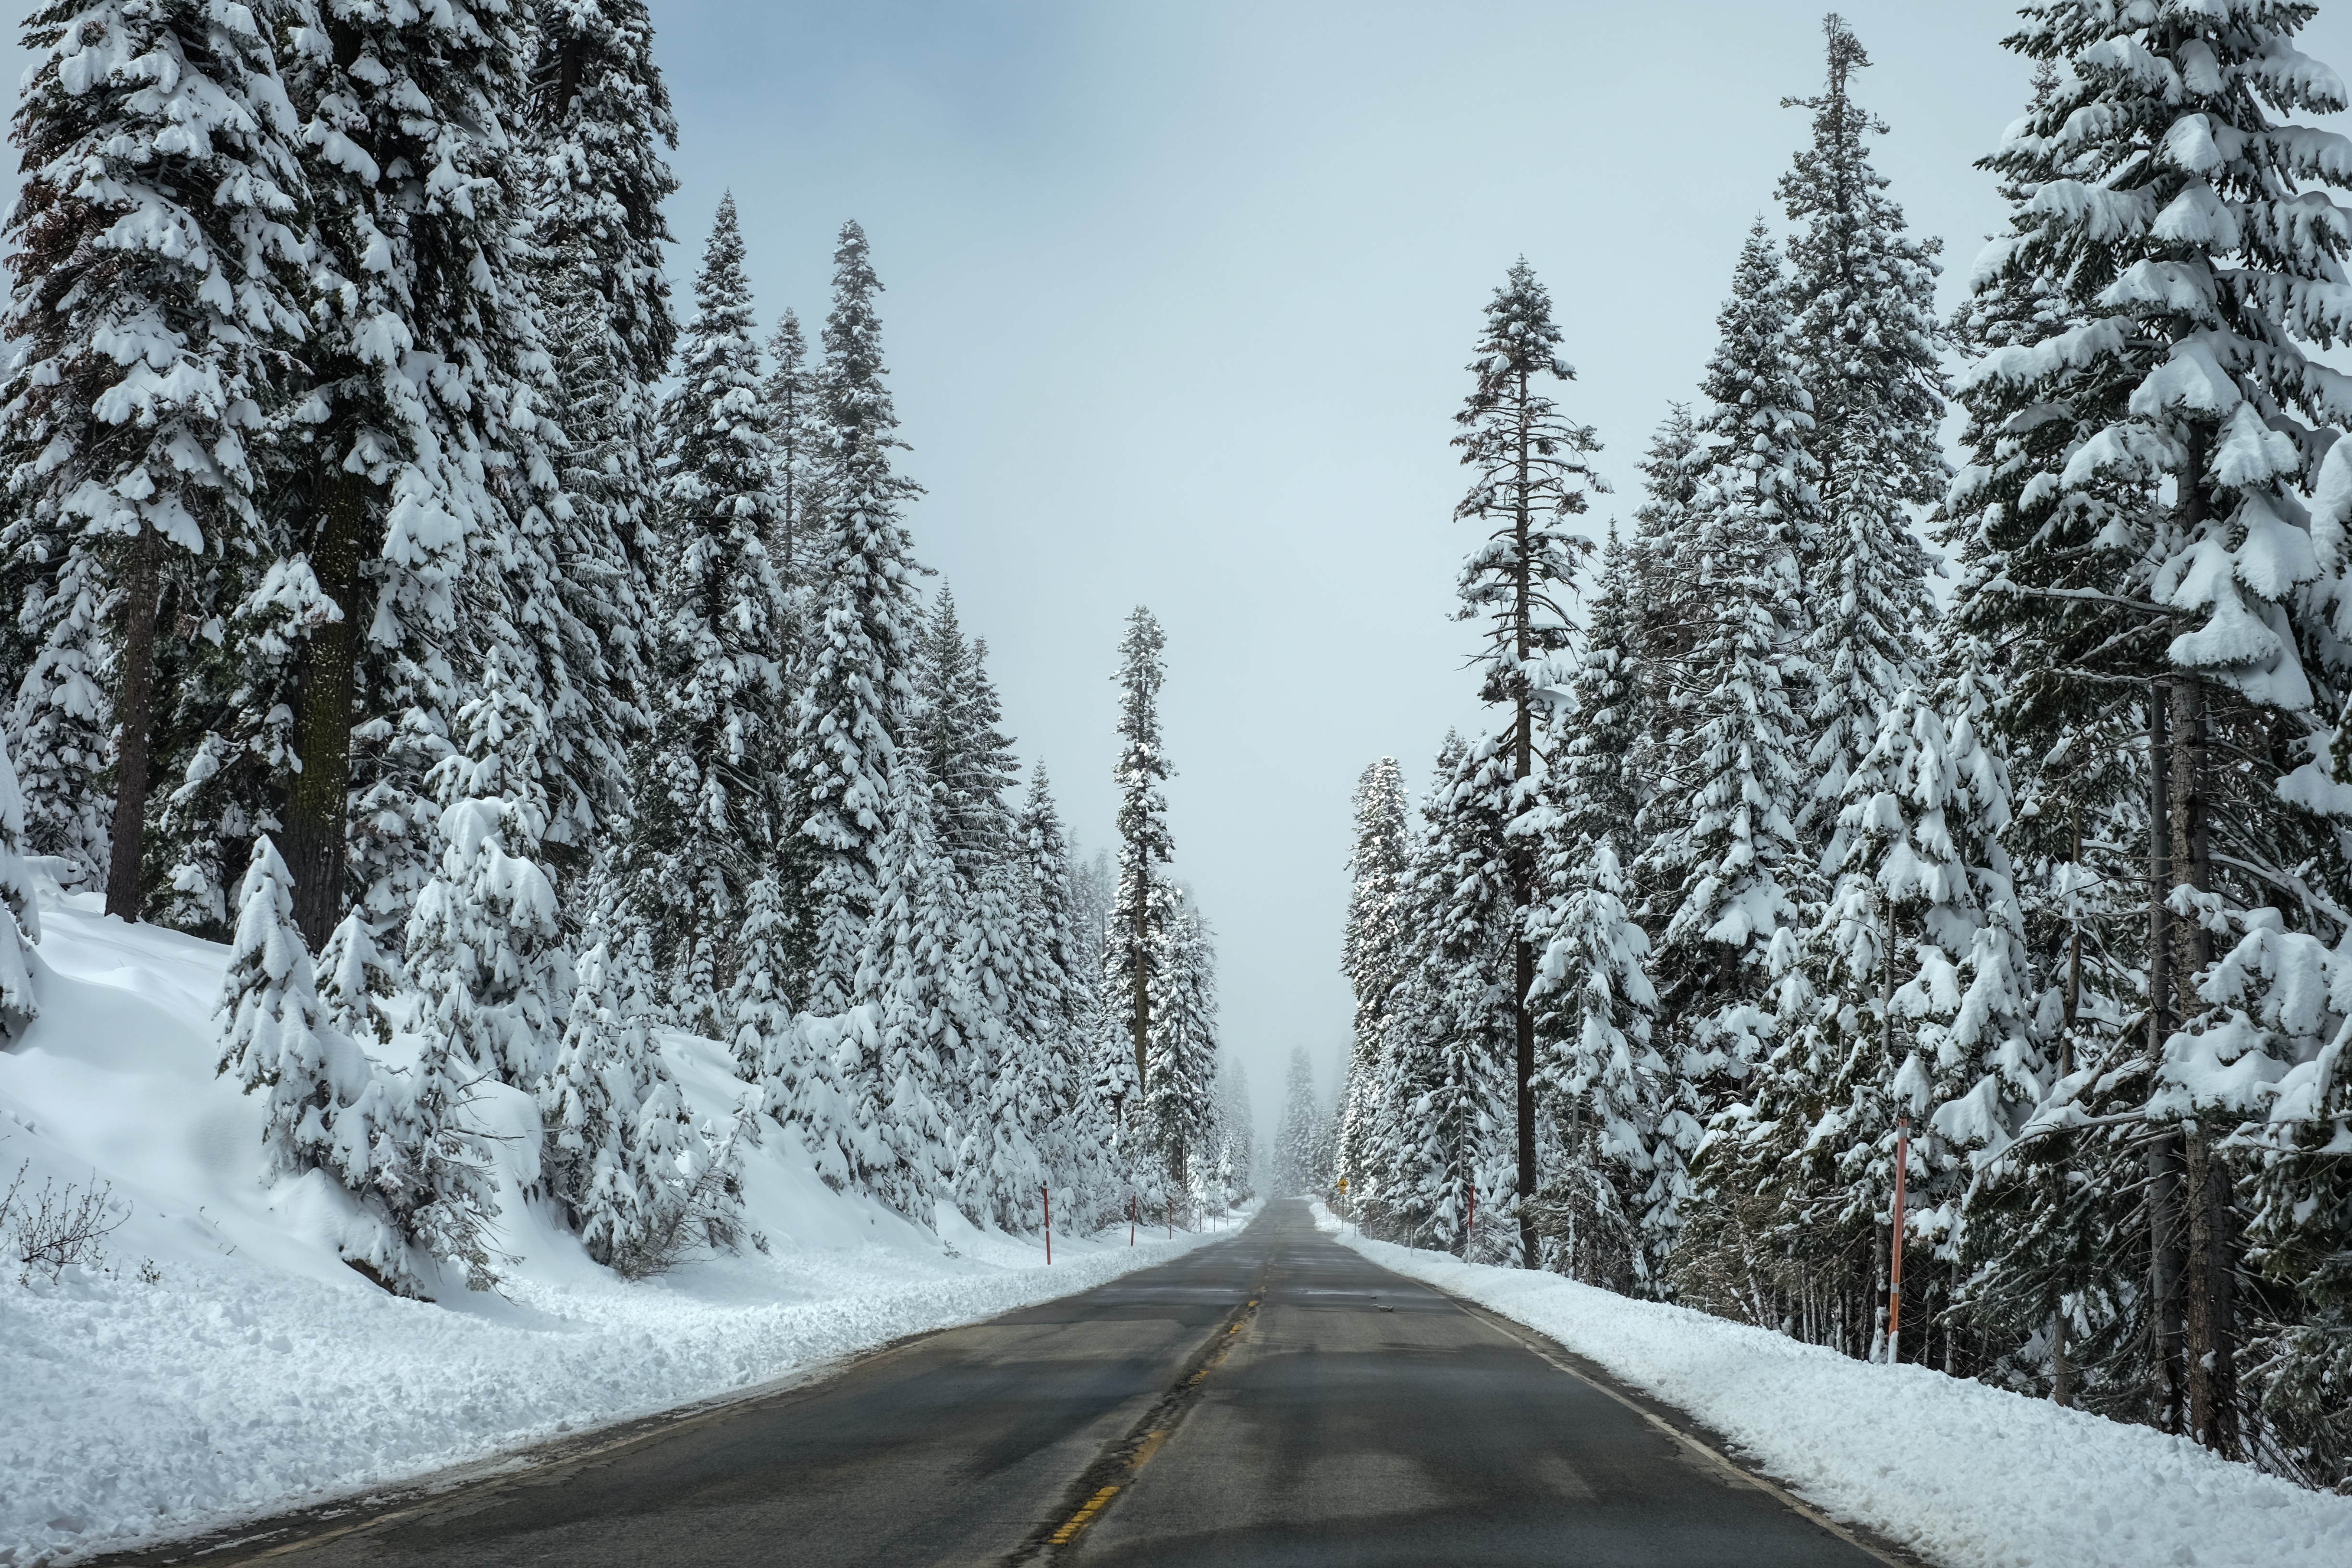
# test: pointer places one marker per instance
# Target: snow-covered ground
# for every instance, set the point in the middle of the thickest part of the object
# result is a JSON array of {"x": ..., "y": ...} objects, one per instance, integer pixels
[
  {"x": 222, "y": 1364},
  {"x": 1962, "y": 1474}
]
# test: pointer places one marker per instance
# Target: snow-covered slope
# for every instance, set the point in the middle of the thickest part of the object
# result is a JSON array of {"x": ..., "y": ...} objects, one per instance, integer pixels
[
  {"x": 222, "y": 1363},
  {"x": 1963, "y": 1474}
]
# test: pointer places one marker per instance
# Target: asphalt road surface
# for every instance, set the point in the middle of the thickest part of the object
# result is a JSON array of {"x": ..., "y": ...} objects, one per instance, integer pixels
[{"x": 1270, "y": 1399}]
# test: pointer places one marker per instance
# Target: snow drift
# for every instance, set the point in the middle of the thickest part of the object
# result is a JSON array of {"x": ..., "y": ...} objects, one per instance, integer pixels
[
  {"x": 1959, "y": 1472},
  {"x": 219, "y": 1361}
]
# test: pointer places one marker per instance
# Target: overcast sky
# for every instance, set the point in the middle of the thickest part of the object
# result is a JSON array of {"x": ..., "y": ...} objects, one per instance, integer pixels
[
  {"x": 1179, "y": 301},
  {"x": 1179, "y": 297}
]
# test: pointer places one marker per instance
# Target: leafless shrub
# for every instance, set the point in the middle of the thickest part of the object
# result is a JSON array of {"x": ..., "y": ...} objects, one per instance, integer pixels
[{"x": 55, "y": 1229}]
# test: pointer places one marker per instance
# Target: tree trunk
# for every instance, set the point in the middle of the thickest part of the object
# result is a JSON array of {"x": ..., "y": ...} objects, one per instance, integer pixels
[
  {"x": 2164, "y": 1153},
  {"x": 134, "y": 710},
  {"x": 1139, "y": 1020},
  {"x": 2209, "y": 1354},
  {"x": 1521, "y": 853},
  {"x": 326, "y": 674}
]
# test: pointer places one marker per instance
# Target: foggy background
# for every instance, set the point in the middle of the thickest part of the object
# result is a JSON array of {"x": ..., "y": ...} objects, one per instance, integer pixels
[{"x": 1177, "y": 302}]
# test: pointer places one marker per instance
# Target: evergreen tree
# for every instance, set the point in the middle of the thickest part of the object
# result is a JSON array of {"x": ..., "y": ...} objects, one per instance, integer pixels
[
  {"x": 617, "y": 1130},
  {"x": 418, "y": 465},
  {"x": 1134, "y": 942},
  {"x": 20, "y": 910},
  {"x": 790, "y": 392},
  {"x": 1446, "y": 1082},
  {"x": 1179, "y": 1082},
  {"x": 1371, "y": 950},
  {"x": 1593, "y": 789},
  {"x": 1532, "y": 477},
  {"x": 483, "y": 947},
  {"x": 1862, "y": 298},
  {"x": 1294, "y": 1135},
  {"x": 864, "y": 620},
  {"x": 759, "y": 1008},
  {"x": 599, "y": 117},
  {"x": 274, "y": 1034},
  {"x": 356, "y": 982},
  {"x": 1722, "y": 844},
  {"x": 1616, "y": 1185},
  {"x": 706, "y": 799},
  {"x": 906, "y": 1087},
  {"x": 955, "y": 724},
  {"x": 2183, "y": 415},
  {"x": 157, "y": 289}
]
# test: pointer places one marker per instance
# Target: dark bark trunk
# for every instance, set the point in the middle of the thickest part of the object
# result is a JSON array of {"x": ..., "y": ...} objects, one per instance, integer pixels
[
  {"x": 2208, "y": 1355},
  {"x": 134, "y": 711},
  {"x": 2164, "y": 1153},
  {"x": 312, "y": 839},
  {"x": 1523, "y": 966}
]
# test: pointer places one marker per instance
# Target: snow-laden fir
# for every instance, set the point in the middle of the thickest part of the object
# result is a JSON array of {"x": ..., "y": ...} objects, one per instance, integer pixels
[{"x": 2045, "y": 894}]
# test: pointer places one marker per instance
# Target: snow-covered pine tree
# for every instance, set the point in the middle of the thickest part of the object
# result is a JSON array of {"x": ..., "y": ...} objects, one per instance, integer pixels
[
  {"x": 1294, "y": 1135},
  {"x": 1615, "y": 1141},
  {"x": 2171, "y": 200},
  {"x": 1238, "y": 1124},
  {"x": 1593, "y": 787},
  {"x": 1929, "y": 1015},
  {"x": 357, "y": 981},
  {"x": 418, "y": 460},
  {"x": 20, "y": 909},
  {"x": 1721, "y": 843},
  {"x": 902, "y": 1090},
  {"x": 1616, "y": 1182},
  {"x": 2056, "y": 1241},
  {"x": 1132, "y": 943},
  {"x": 707, "y": 789},
  {"x": 599, "y": 118},
  {"x": 1180, "y": 1084},
  {"x": 1006, "y": 1096},
  {"x": 954, "y": 723},
  {"x": 1050, "y": 1007},
  {"x": 158, "y": 283},
  {"x": 793, "y": 426},
  {"x": 759, "y": 1021},
  {"x": 1370, "y": 947},
  {"x": 1447, "y": 1081},
  {"x": 395, "y": 1142},
  {"x": 617, "y": 1126},
  {"x": 1862, "y": 295},
  {"x": 863, "y": 622},
  {"x": 484, "y": 947},
  {"x": 274, "y": 1034},
  {"x": 1532, "y": 477}
]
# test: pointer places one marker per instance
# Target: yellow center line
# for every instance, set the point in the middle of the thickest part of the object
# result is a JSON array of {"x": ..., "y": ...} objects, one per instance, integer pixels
[
  {"x": 1150, "y": 1446},
  {"x": 1063, "y": 1536}
]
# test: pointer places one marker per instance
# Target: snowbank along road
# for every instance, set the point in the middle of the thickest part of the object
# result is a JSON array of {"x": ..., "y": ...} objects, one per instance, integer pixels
[{"x": 1272, "y": 1399}]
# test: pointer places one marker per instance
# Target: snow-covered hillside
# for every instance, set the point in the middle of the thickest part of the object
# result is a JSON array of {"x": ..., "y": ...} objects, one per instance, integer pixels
[{"x": 219, "y": 1360}]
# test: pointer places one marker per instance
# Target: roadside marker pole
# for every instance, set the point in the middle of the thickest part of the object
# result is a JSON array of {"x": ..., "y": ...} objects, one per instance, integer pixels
[
  {"x": 1049, "y": 1224},
  {"x": 1470, "y": 1230},
  {"x": 1894, "y": 1269},
  {"x": 1130, "y": 1219},
  {"x": 1172, "y": 1214}
]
